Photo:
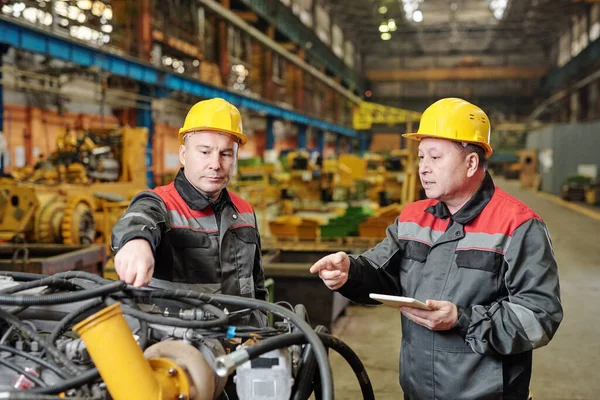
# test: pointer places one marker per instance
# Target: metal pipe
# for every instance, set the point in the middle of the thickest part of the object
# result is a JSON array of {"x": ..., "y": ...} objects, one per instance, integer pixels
[
  {"x": 271, "y": 44},
  {"x": 121, "y": 363}
]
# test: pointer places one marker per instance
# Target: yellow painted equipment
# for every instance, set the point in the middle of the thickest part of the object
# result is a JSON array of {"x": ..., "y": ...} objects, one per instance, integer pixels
[{"x": 121, "y": 363}]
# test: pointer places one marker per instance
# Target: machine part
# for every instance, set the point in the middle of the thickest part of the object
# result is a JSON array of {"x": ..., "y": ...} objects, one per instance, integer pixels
[
  {"x": 121, "y": 362},
  {"x": 103, "y": 169},
  {"x": 75, "y": 350},
  {"x": 48, "y": 219},
  {"x": 211, "y": 349},
  {"x": 191, "y": 360},
  {"x": 266, "y": 377},
  {"x": 78, "y": 225}
]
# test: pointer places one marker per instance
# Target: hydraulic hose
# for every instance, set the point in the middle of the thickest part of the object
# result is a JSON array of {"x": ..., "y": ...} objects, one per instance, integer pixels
[
  {"x": 62, "y": 298},
  {"x": 72, "y": 383},
  {"x": 159, "y": 319},
  {"x": 242, "y": 302},
  {"x": 37, "y": 360},
  {"x": 303, "y": 386},
  {"x": 20, "y": 370},
  {"x": 144, "y": 333},
  {"x": 49, "y": 281},
  {"x": 70, "y": 317},
  {"x": 31, "y": 333},
  {"x": 277, "y": 342}
]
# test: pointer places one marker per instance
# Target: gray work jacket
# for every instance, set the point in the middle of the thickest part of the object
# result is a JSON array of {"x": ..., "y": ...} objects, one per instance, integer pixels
[{"x": 494, "y": 260}]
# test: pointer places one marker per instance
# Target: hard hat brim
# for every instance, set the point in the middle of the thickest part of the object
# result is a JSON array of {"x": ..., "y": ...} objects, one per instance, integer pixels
[
  {"x": 239, "y": 137},
  {"x": 418, "y": 136}
]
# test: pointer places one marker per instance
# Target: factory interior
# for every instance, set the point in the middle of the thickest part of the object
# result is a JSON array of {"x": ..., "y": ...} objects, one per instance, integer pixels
[{"x": 330, "y": 107}]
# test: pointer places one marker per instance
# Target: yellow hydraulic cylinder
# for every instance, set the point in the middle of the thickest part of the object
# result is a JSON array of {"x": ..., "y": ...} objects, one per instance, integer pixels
[{"x": 121, "y": 363}]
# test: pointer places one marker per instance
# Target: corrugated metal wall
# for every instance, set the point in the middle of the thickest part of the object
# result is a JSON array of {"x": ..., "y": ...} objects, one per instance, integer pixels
[{"x": 570, "y": 145}]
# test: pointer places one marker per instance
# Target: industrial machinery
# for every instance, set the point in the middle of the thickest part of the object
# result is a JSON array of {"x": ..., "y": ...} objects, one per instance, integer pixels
[
  {"x": 77, "y": 193},
  {"x": 77, "y": 335}
]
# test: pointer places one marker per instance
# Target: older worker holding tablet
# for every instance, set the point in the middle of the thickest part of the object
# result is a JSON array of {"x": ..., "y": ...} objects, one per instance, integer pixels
[{"x": 481, "y": 260}]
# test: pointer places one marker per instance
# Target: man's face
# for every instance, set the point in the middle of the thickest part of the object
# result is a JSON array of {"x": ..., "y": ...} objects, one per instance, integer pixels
[
  {"x": 209, "y": 160},
  {"x": 443, "y": 169}
]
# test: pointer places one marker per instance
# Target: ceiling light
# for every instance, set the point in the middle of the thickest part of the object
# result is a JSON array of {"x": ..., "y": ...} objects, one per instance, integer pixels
[
  {"x": 84, "y": 4},
  {"x": 386, "y": 36},
  {"x": 417, "y": 16},
  {"x": 382, "y": 10},
  {"x": 106, "y": 28},
  {"x": 383, "y": 28},
  {"x": 392, "y": 25}
]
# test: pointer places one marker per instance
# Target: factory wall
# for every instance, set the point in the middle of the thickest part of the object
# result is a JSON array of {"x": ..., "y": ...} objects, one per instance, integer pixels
[{"x": 562, "y": 149}]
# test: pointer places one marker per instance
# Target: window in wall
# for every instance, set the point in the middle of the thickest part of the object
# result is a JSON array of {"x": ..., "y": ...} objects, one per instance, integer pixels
[
  {"x": 595, "y": 22},
  {"x": 323, "y": 26}
]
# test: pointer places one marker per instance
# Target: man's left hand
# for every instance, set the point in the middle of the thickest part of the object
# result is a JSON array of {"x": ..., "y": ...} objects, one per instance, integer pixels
[{"x": 443, "y": 315}]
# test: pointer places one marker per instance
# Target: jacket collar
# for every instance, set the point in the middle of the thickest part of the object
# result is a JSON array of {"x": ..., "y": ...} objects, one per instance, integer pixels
[
  {"x": 472, "y": 208},
  {"x": 196, "y": 200}
]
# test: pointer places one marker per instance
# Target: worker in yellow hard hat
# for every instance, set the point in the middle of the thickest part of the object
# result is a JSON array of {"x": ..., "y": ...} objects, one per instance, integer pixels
[
  {"x": 480, "y": 260},
  {"x": 193, "y": 233}
]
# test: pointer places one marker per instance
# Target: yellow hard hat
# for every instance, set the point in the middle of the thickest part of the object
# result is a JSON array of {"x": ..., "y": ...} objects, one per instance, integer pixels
[
  {"x": 214, "y": 115},
  {"x": 457, "y": 120}
]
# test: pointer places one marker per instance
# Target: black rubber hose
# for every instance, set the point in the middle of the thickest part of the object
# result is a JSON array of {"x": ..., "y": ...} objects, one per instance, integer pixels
[
  {"x": 26, "y": 395},
  {"x": 159, "y": 319},
  {"x": 21, "y": 371},
  {"x": 330, "y": 341},
  {"x": 303, "y": 384},
  {"x": 62, "y": 298},
  {"x": 72, "y": 383},
  {"x": 70, "y": 317},
  {"x": 22, "y": 276},
  {"x": 37, "y": 360},
  {"x": 32, "y": 334},
  {"x": 243, "y": 302},
  {"x": 49, "y": 281},
  {"x": 144, "y": 333}
]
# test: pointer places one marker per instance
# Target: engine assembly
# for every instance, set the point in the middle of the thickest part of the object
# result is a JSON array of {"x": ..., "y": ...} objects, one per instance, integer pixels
[{"x": 77, "y": 335}]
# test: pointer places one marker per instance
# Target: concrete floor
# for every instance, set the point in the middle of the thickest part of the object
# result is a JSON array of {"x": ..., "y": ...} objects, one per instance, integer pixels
[{"x": 568, "y": 368}]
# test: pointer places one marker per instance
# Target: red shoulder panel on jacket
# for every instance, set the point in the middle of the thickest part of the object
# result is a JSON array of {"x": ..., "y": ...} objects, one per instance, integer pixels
[
  {"x": 174, "y": 202},
  {"x": 415, "y": 212},
  {"x": 503, "y": 214},
  {"x": 241, "y": 204}
]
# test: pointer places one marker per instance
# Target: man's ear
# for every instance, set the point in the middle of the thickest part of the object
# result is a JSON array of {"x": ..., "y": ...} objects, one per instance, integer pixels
[
  {"x": 182, "y": 154},
  {"x": 472, "y": 160}
]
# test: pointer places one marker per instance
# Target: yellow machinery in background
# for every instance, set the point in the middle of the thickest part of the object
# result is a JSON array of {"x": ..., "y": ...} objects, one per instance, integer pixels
[{"x": 78, "y": 193}]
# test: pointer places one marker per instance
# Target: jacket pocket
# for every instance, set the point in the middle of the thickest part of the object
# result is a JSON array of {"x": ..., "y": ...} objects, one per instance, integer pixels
[
  {"x": 246, "y": 253},
  {"x": 416, "y": 251},
  {"x": 185, "y": 238},
  {"x": 479, "y": 259}
]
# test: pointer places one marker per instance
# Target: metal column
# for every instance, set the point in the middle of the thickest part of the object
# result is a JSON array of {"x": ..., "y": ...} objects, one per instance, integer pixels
[
  {"x": 338, "y": 144},
  {"x": 144, "y": 119},
  {"x": 301, "y": 142},
  {"x": 270, "y": 145},
  {"x": 363, "y": 143},
  {"x": 2, "y": 51},
  {"x": 321, "y": 141}
]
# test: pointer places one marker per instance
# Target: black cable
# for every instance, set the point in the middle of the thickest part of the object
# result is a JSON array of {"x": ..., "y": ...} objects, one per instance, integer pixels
[
  {"x": 144, "y": 333},
  {"x": 22, "y": 276},
  {"x": 21, "y": 371},
  {"x": 49, "y": 281},
  {"x": 62, "y": 298},
  {"x": 311, "y": 336},
  {"x": 40, "y": 361},
  {"x": 159, "y": 319},
  {"x": 27, "y": 395},
  {"x": 32, "y": 334},
  {"x": 303, "y": 384},
  {"x": 72, "y": 383},
  {"x": 70, "y": 317}
]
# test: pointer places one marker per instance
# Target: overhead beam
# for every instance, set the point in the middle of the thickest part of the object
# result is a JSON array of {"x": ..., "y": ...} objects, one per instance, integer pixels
[
  {"x": 247, "y": 16},
  {"x": 459, "y": 73}
]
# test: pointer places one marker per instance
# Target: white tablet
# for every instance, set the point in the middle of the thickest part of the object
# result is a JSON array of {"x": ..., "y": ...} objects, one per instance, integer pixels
[{"x": 397, "y": 301}]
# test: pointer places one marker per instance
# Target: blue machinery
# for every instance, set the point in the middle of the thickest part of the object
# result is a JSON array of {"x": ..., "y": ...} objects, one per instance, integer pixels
[{"x": 26, "y": 37}]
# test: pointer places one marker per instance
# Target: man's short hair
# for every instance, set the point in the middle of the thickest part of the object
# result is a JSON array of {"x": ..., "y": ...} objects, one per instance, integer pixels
[{"x": 468, "y": 148}]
